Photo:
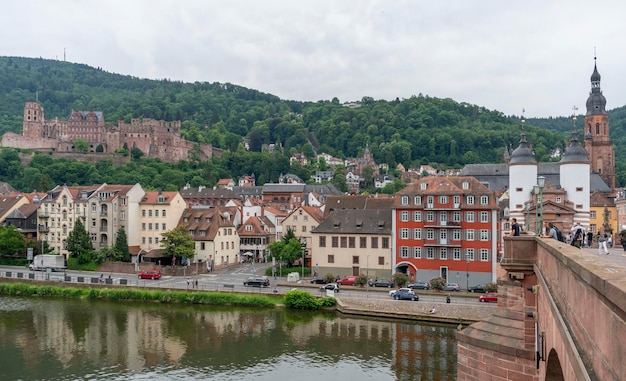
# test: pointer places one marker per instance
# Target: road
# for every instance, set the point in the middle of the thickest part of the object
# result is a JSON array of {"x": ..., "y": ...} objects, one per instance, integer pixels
[{"x": 230, "y": 279}]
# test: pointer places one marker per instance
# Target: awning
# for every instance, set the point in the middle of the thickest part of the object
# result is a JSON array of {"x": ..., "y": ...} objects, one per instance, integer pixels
[{"x": 248, "y": 254}]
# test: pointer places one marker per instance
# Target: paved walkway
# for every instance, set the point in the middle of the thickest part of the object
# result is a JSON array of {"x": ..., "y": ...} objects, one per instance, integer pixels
[{"x": 616, "y": 254}]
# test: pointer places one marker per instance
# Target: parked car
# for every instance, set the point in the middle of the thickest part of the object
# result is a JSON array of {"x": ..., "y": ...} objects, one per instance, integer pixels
[
  {"x": 419, "y": 286},
  {"x": 349, "y": 280},
  {"x": 478, "y": 288},
  {"x": 405, "y": 295},
  {"x": 489, "y": 297},
  {"x": 257, "y": 282},
  {"x": 451, "y": 287},
  {"x": 150, "y": 274},
  {"x": 330, "y": 286},
  {"x": 382, "y": 283},
  {"x": 403, "y": 289},
  {"x": 318, "y": 280}
]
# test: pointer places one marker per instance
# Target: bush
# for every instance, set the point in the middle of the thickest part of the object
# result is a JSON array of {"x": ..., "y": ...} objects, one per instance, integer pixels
[
  {"x": 301, "y": 300},
  {"x": 361, "y": 279},
  {"x": 329, "y": 278},
  {"x": 437, "y": 283},
  {"x": 327, "y": 302},
  {"x": 491, "y": 287},
  {"x": 400, "y": 279}
]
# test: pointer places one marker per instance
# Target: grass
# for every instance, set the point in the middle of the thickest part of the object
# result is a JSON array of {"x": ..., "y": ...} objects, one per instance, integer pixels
[{"x": 131, "y": 294}]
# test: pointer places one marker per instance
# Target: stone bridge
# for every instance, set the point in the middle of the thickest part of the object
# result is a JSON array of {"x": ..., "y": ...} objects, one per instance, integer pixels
[{"x": 561, "y": 316}]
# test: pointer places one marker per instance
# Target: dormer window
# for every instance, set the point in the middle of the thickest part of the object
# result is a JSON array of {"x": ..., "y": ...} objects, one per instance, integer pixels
[
  {"x": 404, "y": 200},
  {"x": 423, "y": 186},
  {"x": 465, "y": 185}
]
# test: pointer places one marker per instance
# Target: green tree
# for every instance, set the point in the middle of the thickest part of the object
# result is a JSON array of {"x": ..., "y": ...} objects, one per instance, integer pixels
[
  {"x": 136, "y": 153},
  {"x": 80, "y": 145},
  {"x": 286, "y": 251},
  {"x": 120, "y": 248},
  {"x": 177, "y": 242},
  {"x": 79, "y": 245},
  {"x": 11, "y": 241}
]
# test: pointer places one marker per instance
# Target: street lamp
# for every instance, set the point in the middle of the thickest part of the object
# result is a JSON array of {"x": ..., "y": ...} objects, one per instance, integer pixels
[
  {"x": 367, "y": 275},
  {"x": 527, "y": 217},
  {"x": 536, "y": 193},
  {"x": 541, "y": 182}
]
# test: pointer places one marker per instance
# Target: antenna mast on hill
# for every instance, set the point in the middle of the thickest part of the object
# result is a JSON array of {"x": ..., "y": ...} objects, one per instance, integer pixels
[{"x": 64, "y": 54}]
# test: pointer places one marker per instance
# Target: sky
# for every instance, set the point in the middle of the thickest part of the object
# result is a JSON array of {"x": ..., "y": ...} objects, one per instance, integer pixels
[{"x": 536, "y": 55}]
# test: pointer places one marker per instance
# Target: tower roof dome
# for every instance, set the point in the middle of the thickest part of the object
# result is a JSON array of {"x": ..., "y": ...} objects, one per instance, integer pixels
[
  {"x": 596, "y": 102},
  {"x": 575, "y": 153},
  {"x": 523, "y": 154}
]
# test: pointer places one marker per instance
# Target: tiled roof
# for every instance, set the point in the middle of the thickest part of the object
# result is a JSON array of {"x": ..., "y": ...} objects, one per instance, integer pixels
[{"x": 357, "y": 221}]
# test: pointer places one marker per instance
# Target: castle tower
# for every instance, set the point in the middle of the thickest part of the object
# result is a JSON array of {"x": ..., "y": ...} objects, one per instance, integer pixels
[
  {"x": 32, "y": 126},
  {"x": 596, "y": 126},
  {"x": 522, "y": 177},
  {"x": 574, "y": 172}
]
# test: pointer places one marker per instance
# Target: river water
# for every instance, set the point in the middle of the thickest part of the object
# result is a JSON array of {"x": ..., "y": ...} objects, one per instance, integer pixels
[{"x": 51, "y": 339}]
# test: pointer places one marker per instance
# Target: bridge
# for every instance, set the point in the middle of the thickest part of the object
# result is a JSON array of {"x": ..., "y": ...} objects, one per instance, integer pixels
[{"x": 561, "y": 316}]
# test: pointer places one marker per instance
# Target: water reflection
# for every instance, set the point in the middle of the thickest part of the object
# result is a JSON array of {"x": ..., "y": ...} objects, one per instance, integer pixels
[{"x": 69, "y": 340}]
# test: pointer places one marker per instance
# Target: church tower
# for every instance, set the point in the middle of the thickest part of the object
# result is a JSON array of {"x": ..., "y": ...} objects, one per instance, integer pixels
[
  {"x": 596, "y": 127},
  {"x": 522, "y": 176}
]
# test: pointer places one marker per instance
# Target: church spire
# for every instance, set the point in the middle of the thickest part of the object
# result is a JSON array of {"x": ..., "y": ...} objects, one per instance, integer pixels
[{"x": 596, "y": 102}]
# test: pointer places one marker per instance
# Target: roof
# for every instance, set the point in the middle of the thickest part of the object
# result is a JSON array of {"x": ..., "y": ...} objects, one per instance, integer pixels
[
  {"x": 5, "y": 188},
  {"x": 208, "y": 220},
  {"x": 337, "y": 202},
  {"x": 359, "y": 221},
  {"x": 153, "y": 197}
]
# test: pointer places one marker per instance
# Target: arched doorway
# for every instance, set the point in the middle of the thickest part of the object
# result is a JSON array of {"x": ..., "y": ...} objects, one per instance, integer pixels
[{"x": 554, "y": 371}]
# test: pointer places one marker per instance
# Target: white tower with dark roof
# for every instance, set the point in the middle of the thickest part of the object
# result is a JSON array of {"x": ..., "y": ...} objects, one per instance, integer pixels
[{"x": 522, "y": 177}]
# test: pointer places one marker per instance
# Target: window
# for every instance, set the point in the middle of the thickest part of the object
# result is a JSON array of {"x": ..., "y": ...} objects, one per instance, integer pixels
[
  {"x": 150, "y": 213},
  {"x": 423, "y": 185},
  {"x": 469, "y": 254},
  {"x": 331, "y": 258},
  {"x": 430, "y": 252},
  {"x": 484, "y": 216},
  {"x": 404, "y": 200},
  {"x": 351, "y": 242},
  {"x": 404, "y": 216},
  {"x": 156, "y": 226},
  {"x": 470, "y": 200},
  {"x": 143, "y": 226},
  {"x": 443, "y": 200},
  {"x": 322, "y": 241},
  {"x": 334, "y": 241},
  {"x": 417, "y": 252},
  {"x": 456, "y": 253},
  {"x": 484, "y": 235},
  {"x": 484, "y": 200},
  {"x": 417, "y": 216},
  {"x": 457, "y": 201},
  {"x": 385, "y": 242},
  {"x": 374, "y": 244},
  {"x": 558, "y": 199},
  {"x": 484, "y": 255},
  {"x": 470, "y": 216},
  {"x": 430, "y": 216},
  {"x": 381, "y": 261},
  {"x": 163, "y": 213},
  {"x": 344, "y": 242},
  {"x": 362, "y": 242},
  {"x": 404, "y": 233},
  {"x": 469, "y": 234},
  {"x": 156, "y": 213},
  {"x": 355, "y": 259},
  {"x": 592, "y": 214},
  {"x": 248, "y": 228},
  {"x": 143, "y": 240},
  {"x": 93, "y": 223},
  {"x": 122, "y": 215},
  {"x": 163, "y": 226},
  {"x": 430, "y": 234},
  {"x": 404, "y": 251},
  {"x": 150, "y": 226},
  {"x": 417, "y": 233},
  {"x": 443, "y": 253},
  {"x": 465, "y": 185},
  {"x": 202, "y": 246},
  {"x": 456, "y": 217},
  {"x": 417, "y": 200},
  {"x": 430, "y": 200},
  {"x": 303, "y": 228}
]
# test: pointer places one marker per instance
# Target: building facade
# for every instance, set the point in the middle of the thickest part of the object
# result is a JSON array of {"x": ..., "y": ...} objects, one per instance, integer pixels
[{"x": 447, "y": 227}]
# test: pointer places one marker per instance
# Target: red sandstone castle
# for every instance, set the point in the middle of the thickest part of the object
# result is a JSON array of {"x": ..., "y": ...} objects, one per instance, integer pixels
[{"x": 155, "y": 138}]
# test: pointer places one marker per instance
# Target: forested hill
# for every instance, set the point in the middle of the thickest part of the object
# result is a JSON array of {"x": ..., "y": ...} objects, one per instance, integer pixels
[{"x": 413, "y": 131}]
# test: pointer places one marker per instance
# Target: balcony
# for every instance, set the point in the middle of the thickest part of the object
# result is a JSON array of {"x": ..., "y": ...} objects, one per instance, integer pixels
[
  {"x": 43, "y": 229},
  {"x": 43, "y": 214}
]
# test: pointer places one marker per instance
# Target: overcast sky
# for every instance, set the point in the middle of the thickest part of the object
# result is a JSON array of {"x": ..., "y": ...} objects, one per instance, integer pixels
[{"x": 502, "y": 55}]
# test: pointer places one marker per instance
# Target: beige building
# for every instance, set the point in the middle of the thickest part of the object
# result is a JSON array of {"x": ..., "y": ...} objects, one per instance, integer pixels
[
  {"x": 353, "y": 242},
  {"x": 214, "y": 233},
  {"x": 302, "y": 221},
  {"x": 159, "y": 212}
]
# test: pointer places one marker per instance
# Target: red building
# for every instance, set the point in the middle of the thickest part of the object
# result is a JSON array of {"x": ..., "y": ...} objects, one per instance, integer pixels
[{"x": 448, "y": 227}]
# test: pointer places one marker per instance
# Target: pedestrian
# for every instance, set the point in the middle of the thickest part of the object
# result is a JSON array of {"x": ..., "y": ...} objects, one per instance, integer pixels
[
  {"x": 589, "y": 238},
  {"x": 609, "y": 241},
  {"x": 602, "y": 243},
  {"x": 515, "y": 229},
  {"x": 552, "y": 232},
  {"x": 578, "y": 238},
  {"x": 622, "y": 241},
  {"x": 569, "y": 237}
]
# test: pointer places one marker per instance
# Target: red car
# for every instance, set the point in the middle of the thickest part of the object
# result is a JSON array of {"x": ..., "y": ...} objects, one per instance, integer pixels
[
  {"x": 150, "y": 274},
  {"x": 349, "y": 280},
  {"x": 489, "y": 297}
]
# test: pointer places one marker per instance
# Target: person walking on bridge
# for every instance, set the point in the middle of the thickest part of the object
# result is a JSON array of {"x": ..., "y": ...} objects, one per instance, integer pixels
[{"x": 602, "y": 243}]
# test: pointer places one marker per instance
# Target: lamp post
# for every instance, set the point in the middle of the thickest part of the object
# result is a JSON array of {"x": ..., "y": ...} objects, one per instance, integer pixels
[
  {"x": 536, "y": 193},
  {"x": 541, "y": 182},
  {"x": 527, "y": 217},
  {"x": 367, "y": 275}
]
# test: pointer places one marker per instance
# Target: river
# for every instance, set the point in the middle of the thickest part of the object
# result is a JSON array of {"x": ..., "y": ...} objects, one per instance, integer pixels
[{"x": 51, "y": 339}]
